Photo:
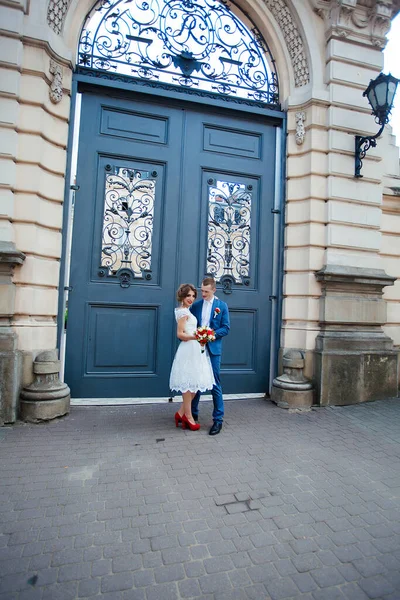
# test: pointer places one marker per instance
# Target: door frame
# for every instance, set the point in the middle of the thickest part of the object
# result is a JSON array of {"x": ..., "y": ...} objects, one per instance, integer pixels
[{"x": 231, "y": 105}]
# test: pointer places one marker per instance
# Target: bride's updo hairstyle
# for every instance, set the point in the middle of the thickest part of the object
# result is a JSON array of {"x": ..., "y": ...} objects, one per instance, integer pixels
[{"x": 183, "y": 291}]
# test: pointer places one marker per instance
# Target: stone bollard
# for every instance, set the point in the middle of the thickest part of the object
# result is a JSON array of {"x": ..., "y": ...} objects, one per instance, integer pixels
[
  {"x": 292, "y": 389},
  {"x": 46, "y": 398}
]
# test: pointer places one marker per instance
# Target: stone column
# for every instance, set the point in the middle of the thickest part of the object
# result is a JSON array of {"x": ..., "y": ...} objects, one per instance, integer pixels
[
  {"x": 10, "y": 357},
  {"x": 390, "y": 247},
  {"x": 35, "y": 84},
  {"x": 355, "y": 360}
]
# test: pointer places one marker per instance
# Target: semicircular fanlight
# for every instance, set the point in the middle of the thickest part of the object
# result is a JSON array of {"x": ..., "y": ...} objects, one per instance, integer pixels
[{"x": 193, "y": 44}]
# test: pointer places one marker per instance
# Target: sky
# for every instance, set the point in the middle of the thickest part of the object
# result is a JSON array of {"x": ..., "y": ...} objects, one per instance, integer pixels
[{"x": 392, "y": 65}]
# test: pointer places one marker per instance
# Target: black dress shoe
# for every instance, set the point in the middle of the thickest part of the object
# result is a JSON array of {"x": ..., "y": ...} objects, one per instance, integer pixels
[
  {"x": 195, "y": 418},
  {"x": 215, "y": 429}
]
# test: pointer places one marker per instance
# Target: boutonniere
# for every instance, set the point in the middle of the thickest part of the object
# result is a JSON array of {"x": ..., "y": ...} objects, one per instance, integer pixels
[{"x": 216, "y": 312}]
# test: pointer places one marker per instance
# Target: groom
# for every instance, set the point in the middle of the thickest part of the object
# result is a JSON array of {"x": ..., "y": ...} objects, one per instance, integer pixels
[{"x": 211, "y": 312}]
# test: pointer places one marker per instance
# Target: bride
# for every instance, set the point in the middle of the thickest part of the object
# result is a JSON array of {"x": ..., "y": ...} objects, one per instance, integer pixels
[{"x": 191, "y": 370}]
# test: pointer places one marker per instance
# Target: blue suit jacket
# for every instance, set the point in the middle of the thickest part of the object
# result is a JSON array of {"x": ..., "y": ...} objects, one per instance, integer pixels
[{"x": 219, "y": 322}]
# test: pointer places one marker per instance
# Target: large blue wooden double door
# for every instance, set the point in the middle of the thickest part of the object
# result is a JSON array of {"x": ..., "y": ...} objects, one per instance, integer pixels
[{"x": 167, "y": 193}]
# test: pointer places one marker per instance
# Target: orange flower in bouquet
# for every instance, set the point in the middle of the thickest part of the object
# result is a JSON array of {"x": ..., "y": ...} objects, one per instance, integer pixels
[{"x": 204, "y": 335}]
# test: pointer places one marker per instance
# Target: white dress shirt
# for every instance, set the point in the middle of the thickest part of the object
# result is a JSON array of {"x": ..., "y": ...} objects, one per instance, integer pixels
[{"x": 206, "y": 312}]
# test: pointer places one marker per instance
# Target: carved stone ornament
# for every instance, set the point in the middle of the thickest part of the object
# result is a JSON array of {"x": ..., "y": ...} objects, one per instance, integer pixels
[
  {"x": 56, "y": 90},
  {"x": 56, "y": 13},
  {"x": 293, "y": 40},
  {"x": 368, "y": 19},
  {"x": 381, "y": 21},
  {"x": 300, "y": 129}
]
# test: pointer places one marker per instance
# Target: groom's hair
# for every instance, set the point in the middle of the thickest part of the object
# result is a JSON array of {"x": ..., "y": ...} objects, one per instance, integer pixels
[{"x": 209, "y": 281}]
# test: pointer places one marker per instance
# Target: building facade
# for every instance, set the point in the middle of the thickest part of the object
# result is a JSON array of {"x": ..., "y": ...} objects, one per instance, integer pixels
[{"x": 323, "y": 265}]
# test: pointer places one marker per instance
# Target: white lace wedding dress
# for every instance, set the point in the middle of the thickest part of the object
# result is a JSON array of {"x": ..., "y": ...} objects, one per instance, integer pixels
[{"x": 191, "y": 370}]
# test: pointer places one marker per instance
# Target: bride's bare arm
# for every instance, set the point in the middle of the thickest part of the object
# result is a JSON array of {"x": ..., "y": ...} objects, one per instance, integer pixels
[{"x": 184, "y": 337}]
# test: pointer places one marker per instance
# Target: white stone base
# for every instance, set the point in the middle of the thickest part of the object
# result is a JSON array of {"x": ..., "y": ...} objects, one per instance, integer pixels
[{"x": 130, "y": 401}]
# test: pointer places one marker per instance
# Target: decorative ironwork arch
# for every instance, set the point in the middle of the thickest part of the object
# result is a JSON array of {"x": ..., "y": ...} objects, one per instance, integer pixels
[{"x": 191, "y": 44}]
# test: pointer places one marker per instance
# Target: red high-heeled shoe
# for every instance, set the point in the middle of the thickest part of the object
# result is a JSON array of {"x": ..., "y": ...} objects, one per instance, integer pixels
[
  {"x": 178, "y": 419},
  {"x": 187, "y": 423}
]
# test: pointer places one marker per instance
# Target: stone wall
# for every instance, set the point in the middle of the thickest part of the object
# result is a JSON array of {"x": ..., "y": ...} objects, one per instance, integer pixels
[
  {"x": 34, "y": 106},
  {"x": 331, "y": 217},
  {"x": 334, "y": 221},
  {"x": 390, "y": 229},
  {"x": 37, "y": 130},
  {"x": 326, "y": 52},
  {"x": 390, "y": 247}
]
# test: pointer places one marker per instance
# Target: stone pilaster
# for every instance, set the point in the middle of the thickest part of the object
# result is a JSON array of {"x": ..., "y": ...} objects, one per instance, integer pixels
[
  {"x": 10, "y": 357},
  {"x": 354, "y": 359}
]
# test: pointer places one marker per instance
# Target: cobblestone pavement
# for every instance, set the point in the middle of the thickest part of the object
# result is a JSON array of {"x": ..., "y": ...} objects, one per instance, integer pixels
[{"x": 117, "y": 503}]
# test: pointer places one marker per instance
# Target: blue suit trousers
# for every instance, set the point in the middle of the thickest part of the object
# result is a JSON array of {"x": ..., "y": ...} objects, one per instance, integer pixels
[{"x": 218, "y": 412}]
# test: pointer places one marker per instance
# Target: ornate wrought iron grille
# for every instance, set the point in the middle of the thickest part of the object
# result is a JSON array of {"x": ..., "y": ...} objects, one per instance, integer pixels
[
  {"x": 198, "y": 44},
  {"x": 127, "y": 224},
  {"x": 229, "y": 223}
]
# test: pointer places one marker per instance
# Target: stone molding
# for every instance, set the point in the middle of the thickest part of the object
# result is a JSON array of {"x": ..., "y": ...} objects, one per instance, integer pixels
[
  {"x": 357, "y": 275},
  {"x": 391, "y": 205},
  {"x": 22, "y": 5},
  {"x": 56, "y": 89},
  {"x": 44, "y": 45},
  {"x": 10, "y": 256},
  {"x": 369, "y": 20}
]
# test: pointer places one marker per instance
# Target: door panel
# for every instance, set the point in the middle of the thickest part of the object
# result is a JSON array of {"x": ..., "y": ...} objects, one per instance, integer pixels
[
  {"x": 134, "y": 126},
  {"x": 167, "y": 194},
  {"x": 126, "y": 190},
  {"x": 109, "y": 326},
  {"x": 240, "y": 348},
  {"x": 245, "y": 357},
  {"x": 231, "y": 141},
  {"x": 118, "y": 325}
]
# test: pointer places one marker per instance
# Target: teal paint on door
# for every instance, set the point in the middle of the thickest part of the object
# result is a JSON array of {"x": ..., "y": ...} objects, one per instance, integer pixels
[{"x": 166, "y": 161}]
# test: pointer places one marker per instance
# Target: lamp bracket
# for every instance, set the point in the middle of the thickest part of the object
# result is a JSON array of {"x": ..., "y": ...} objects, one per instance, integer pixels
[{"x": 362, "y": 145}]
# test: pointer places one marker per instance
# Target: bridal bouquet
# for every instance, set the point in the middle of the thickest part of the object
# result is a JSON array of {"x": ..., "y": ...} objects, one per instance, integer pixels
[{"x": 204, "y": 335}]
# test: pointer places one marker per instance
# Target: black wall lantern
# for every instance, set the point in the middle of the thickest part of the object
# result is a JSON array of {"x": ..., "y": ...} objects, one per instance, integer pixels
[{"x": 380, "y": 94}]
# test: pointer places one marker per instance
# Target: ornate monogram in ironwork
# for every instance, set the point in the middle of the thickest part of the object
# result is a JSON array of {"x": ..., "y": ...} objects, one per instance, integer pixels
[
  {"x": 229, "y": 223},
  {"x": 127, "y": 224},
  {"x": 190, "y": 43}
]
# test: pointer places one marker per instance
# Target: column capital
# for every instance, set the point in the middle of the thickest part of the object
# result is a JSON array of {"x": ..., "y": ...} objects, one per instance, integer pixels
[
  {"x": 358, "y": 21},
  {"x": 341, "y": 277}
]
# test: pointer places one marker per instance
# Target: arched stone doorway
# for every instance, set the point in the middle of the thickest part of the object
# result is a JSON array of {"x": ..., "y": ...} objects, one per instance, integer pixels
[
  {"x": 38, "y": 109},
  {"x": 325, "y": 54},
  {"x": 178, "y": 176}
]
